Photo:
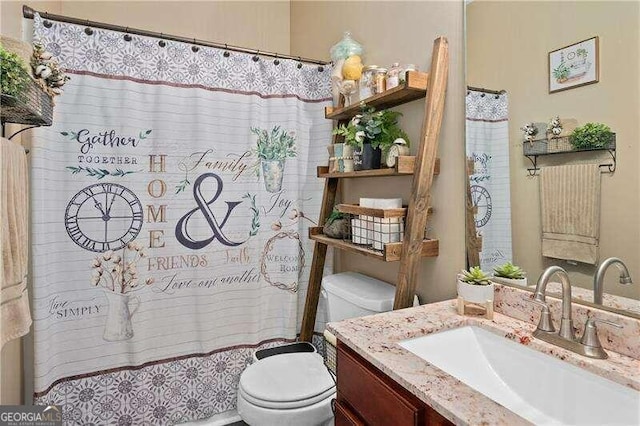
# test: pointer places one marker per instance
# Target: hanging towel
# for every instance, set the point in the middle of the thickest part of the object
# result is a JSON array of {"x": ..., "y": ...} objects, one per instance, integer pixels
[
  {"x": 15, "y": 318},
  {"x": 570, "y": 203}
]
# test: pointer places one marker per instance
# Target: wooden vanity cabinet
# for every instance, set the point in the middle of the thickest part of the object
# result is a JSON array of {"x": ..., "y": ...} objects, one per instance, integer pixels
[{"x": 368, "y": 397}]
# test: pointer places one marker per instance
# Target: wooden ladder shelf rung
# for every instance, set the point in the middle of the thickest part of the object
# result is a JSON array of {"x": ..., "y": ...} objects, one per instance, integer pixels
[{"x": 422, "y": 167}]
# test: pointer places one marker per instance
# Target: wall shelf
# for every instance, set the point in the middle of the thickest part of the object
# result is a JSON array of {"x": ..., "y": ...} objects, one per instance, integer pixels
[
  {"x": 404, "y": 167},
  {"x": 33, "y": 107},
  {"x": 538, "y": 148},
  {"x": 415, "y": 87},
  {"x": 391, "y": 252}
]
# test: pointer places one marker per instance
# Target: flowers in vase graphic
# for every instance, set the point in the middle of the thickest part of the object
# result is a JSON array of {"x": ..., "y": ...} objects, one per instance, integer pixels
[
  {"x": 272, "y": 149},
  {"x": 117, "y": 274}
]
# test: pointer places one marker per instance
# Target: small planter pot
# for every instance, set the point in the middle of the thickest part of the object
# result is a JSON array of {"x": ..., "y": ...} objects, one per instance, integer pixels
[
  {"x": 522, "y": 282},
  {"x": 475, "y": 293},
  {"x": 273, "y": 172},
  {"x": 357, "y": 159},
  {"x": 339, "y": 154},
  {"x": 347, "y": 155},
  {"x": 370, "y": 157}
]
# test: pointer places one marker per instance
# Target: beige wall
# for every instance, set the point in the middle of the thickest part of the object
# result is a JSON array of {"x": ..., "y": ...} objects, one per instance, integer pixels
[
  {"x": 508, "y": 43},
  {"x": 403, "y": 32}
]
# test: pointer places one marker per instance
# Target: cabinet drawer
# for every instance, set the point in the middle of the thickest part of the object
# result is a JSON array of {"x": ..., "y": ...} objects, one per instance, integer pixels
[
  {"x": 346, "y": 417},
  {"x": 376, "y": 398}
]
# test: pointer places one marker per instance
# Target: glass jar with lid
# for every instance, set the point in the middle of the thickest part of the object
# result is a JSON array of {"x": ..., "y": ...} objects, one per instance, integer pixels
[
  {"x": 380, "y": 80},
  {"x": 367, "y": 82},
  {"x": 393, "y": 76}
]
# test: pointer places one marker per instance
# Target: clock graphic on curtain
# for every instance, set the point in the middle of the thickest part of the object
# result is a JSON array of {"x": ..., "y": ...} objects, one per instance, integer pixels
[
  {"x": 482, "y": 205},
  {"x": 103, "y": 216}
]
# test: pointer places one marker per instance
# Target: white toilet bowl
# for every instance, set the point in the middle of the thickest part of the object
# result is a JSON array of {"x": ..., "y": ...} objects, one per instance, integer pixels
[
  {"x": 296, "y": 389},
  {"x": 287, "y": 390}
]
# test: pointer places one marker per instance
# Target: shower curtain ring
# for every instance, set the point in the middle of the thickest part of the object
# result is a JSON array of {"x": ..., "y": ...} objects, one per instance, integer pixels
[
  {"x": 194, "y": 48},
  {"x": 255, "y": 57},
  {"x": 162, "y": 43},
  {"x": 299, "y": 62},
  {"x": 276, "y": 61},
  {"x": 127, "y": 36},
  {"x": 226, "y": 52},
  {"x": 88, "y": 30}
]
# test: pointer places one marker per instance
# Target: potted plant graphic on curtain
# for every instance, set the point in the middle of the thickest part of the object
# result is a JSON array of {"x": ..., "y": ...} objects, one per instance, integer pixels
[
  {"x": 117, "y": 274},
  {"x": 272, "y": 149}
]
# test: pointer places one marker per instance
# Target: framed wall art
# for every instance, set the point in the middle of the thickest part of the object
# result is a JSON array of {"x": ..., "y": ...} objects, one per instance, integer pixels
[{"x": 574, "y": 65}]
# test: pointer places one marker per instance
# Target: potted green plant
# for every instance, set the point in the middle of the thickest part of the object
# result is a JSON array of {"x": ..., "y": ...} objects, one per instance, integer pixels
[
  {"x": 591, "y": 136},
  {"x": 370, "y": 134},
  {"x": 14, "y": 76},
  {"x": 337, "y": 225},
  {"x": 510, "y": 274},
  {"x": 475, "y": 286},
  {"x": 273, "y": 148}
]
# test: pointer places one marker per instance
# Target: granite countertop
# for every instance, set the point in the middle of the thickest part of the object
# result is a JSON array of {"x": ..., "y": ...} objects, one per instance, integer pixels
[{"x": 375, "y": 339}]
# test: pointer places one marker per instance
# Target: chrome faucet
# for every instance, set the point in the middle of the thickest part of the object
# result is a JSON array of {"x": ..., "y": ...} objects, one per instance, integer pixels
[
  {"x": 598, "y": 278},
  {"x": 589, "y": 345}
]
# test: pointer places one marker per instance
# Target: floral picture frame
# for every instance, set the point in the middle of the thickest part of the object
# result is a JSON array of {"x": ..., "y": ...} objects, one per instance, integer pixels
[{"x": 575, "y": 65}]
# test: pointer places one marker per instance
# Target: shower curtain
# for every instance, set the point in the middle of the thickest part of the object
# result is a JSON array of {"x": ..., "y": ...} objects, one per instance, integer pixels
[
  {"x": 169, "y": 233},
  {"x": 487, "y": 137}
]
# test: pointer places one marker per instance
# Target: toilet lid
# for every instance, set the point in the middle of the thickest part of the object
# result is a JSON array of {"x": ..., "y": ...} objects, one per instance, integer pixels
[{"x": 287, "y": 381}]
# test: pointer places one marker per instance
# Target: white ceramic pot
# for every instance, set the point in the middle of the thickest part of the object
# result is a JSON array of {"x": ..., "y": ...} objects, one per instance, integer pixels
[
  {"x": 522, "y": 282},
  {"x": 475, "y": 293}
]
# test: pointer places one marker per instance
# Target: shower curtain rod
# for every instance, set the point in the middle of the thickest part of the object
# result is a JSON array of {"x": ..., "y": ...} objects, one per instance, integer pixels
[
  {"x": 29, "y": 13},
  {"x": 482, "y": 89}
]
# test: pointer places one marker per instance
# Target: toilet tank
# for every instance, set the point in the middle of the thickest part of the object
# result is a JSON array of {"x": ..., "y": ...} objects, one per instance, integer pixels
[{"x": 352, "y": 295}]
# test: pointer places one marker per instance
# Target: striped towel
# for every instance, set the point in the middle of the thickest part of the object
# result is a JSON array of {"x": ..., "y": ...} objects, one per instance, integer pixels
[{"x": 570, "y": 204}]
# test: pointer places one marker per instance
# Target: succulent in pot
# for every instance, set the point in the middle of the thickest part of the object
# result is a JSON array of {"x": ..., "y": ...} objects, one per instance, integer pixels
[
  {"x": 510, "y": 274},
  {"x": 475, "y": 286}
]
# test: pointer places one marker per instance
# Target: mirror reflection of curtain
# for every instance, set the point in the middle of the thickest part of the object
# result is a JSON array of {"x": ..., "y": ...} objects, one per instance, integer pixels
[{"x": 487, "y": 146}]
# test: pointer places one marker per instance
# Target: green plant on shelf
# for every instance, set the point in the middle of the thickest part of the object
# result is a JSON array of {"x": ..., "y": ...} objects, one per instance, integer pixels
[
  {"x": 591, "y": 136},
  {"x": 379, "y": 128},
  {"x": 510, "y": 271},
  {"x": 475, "y": 276},
  {"x": 13, "y": 74}
]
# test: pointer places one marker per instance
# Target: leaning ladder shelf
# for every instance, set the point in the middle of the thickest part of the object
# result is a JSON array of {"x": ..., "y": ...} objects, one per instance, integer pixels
[{"x": 422, "y": 167}]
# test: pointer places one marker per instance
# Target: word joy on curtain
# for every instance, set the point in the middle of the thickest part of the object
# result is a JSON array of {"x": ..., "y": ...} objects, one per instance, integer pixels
[{"x": 171, "y": 199}]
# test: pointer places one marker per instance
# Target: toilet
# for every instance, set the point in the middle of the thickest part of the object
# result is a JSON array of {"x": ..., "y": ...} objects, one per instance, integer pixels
[{"x": 296, "y": 389}]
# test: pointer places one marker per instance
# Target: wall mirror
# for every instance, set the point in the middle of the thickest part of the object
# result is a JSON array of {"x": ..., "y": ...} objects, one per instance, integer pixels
[{"x": 531, "y": 69}]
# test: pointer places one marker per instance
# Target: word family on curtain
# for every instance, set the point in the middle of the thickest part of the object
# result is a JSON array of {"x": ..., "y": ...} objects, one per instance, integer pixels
[
  {"x": 487, "y": 130},
  {"x": 171, "y": 200}
]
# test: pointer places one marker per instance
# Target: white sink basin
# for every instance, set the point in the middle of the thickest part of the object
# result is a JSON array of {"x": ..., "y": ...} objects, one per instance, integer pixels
[{"x": 536, "y": 386}]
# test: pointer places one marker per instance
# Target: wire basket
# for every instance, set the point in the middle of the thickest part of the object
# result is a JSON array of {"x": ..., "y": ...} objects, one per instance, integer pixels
[
  {"x": 373, "y": 228},
  {"x": 556, "y": 145},
  {"x": 32, "y": 107},
  {"x": 330, "y": 352}
]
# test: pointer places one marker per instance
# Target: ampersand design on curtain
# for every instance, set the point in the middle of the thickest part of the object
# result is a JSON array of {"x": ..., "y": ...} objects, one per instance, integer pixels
[{"x": 182, "y": 233}]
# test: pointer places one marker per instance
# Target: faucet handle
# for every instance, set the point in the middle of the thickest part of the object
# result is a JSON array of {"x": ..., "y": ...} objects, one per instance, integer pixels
[
  {"x": 546, "y": 322},
  {"x": 590, "y": 335}
]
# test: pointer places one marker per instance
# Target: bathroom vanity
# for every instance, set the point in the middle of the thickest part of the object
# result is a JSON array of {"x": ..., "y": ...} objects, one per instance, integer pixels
[
  {"x": 367, "y": 396},
  {"x": 384, "y": 379}
]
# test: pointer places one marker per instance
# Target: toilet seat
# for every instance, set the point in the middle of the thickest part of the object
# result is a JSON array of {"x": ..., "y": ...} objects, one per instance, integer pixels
[{"x": 287, "y": 381}]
